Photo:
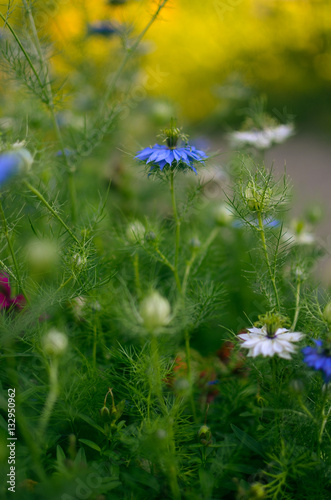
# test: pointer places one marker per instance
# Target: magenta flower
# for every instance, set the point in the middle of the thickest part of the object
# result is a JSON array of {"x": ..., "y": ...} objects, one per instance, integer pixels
[{"x": 6, "y": 302}]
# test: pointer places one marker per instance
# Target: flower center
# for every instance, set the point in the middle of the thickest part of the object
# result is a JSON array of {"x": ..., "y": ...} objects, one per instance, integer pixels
[{"x": 172, "y": 135}]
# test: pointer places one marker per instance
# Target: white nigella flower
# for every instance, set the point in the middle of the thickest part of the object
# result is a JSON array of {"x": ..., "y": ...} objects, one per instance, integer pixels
[
  {"x": 259, "y": 342},
  {"x": 263, "y": 139}
]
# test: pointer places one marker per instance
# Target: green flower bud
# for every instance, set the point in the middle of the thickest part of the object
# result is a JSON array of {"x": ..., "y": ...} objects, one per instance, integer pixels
[
  {"x": 257, "y": 198},
  {"x": 204, "y": 435},
  {"x": 195, "y": 243},
  {"x": 257, "y": 492},
  {"x": 55, "y": 343},
  {"x": 42, "y": 256},
  {"x": 155, "y": 311},
  {"x": 297, "y": 386},
  {"x": 79, "y": 261},
  {"x": 105, "y": 413},
  {"x": 150, "y": 236},
  {"x": 223, "y": 215},
  {"x": 135, "y": 232}
]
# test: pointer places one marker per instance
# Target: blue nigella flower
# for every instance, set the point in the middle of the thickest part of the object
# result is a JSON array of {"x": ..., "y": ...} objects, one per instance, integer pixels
[
  {"x": 269, "y": 222},
  {"x": 102, "y": 28},
  {"x": 162, "y": 155},
  {"x": 9, "y": 166},
  {"x": 318, "y": 358}
]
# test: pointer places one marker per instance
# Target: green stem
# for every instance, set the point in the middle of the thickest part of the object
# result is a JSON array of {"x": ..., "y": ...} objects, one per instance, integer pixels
[
  {"x": 11, "y": 250},
  {"x": 155, "y": 379},
  {"x": 63, "y": 284},
  {"x": 297, "y": 306},
  {"x": 26, "y": 55},
  {"x": 50, "y": 105},
  {"x": 324, "y": 420},
  {"x": 136, "y": 273},
  {"x": 51, "y": 210},
  {"x": 164, "y": 259},
  {"x": 95, "y": 341},
  {"x": 52, "y": 396},
  {"x": 265, "y": 250},
  {"x": 177, "y": 239},
  {"x": 187, "y": 271},
  {"x": 189, "y": 372}
]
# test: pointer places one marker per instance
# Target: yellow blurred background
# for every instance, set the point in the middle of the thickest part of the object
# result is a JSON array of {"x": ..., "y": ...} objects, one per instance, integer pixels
[{"x": 208, "y": 52}]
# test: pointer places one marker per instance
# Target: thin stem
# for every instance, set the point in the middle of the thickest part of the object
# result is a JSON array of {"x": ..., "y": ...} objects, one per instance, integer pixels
[
  {"x": 95, "y": 341},
  {"x": 297, "y": 306},
  {"x": 51, "y": 210},
  {"x": 324, "y": 420},
  {"x": 187, "y": 271},
  {"x": 189, "y": 372},
  {"x": 26, "y": 55},
  {"x": 50, "y": 105},
  {"x": 11, "y": 250},
  {"x": 164, "y": 259},
  {"x": 265, "y": 250},
  {"x": 52, "y": 396},
  {"x": 177, "y": 222},
  {"x": 136, "y": 273},
  {"x": 63, "y": 284},
  {"x": 155, "y": 379}
]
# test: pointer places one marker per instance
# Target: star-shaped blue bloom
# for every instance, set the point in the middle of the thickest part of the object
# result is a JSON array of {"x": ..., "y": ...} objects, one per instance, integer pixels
[
  {"x": 161, "y": 155},
  {"x": 318, "y": 359},
  {"x": 9, "y": 166}
]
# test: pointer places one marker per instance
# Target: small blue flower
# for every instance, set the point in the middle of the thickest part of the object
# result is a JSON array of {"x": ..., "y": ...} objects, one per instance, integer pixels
[
  {"x": 162, "y": 155},
  {"x": 102, "y": 28},
  {"x": 9, "y": 166},
  {"x": 318, "y": 358},
  {"x": 269, "y": 222}
]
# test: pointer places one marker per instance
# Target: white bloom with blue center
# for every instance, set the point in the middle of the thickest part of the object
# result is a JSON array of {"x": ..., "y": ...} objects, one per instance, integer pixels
[
  {"x": 263, "y": 139},
  {"x": 257, "y": 341}
]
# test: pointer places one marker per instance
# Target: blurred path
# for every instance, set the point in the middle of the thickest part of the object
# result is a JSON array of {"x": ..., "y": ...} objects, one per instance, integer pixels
[{"x": 308, "y": 163}]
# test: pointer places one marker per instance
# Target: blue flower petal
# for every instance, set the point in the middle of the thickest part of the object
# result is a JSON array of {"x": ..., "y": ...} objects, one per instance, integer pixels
[
  {"x": 161, "y": 155},
  {"x": 9, "y": 166}
]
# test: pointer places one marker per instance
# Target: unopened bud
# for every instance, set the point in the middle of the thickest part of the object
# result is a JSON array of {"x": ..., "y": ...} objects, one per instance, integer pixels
[
  {"x": 195, "y": 243},
  {"x": 150, "y": 236},
  {"x": 257, "y": 198},
  {"x": 55, "y": 343},
  {"x": 105, "y": 412},
  {"x": 297, "y": 386},
  {"x": 79, "y": 261},
  {"x": 155, "y": 311},
  {"x": 204, "y": 435},
  {"x": 135, "y": 231},
  {"x": 223, "y": 215},
  {"x": 257, "y": 492},
  {"x": 42, "y": 256}
]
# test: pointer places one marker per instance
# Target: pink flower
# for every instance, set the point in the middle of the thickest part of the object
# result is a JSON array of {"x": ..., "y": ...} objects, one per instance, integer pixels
[{"x": 6, "y": 302}]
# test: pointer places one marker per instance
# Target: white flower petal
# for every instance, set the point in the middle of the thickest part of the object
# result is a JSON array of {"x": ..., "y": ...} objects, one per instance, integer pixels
[
  {"x": 255, "y": 330},
  {"x": 284, "y": 355},
  {"x": 277, "y": 346},
  {"x": 287, "y": 346},
  {"x": 281, "y": 330},
  {"x": 267, "y": 348},
  {"x": 251, "y": 342},
  {"x": 291, "y": 336},
  {"x": 256, "y": 350}
]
